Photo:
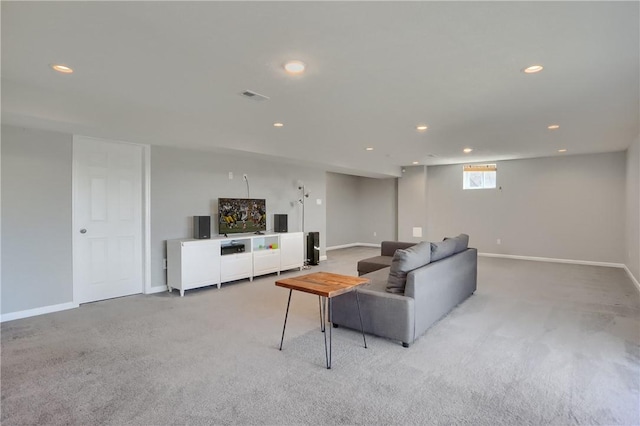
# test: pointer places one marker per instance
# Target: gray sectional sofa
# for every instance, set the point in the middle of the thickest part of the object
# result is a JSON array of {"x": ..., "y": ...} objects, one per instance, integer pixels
[{"x": 409, "y": 292}]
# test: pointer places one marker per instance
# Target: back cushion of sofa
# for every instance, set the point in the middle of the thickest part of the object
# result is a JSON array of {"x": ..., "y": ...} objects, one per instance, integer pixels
[
  {"x": 388, "y": 248},
  {"x": 404, "y": 261},
  {"x": 442, "y": 249},
  {"x": 462, "y": 242}
]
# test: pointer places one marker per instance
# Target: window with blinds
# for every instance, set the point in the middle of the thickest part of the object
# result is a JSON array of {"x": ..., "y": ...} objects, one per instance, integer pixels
[{"x": 479, "y": 176}]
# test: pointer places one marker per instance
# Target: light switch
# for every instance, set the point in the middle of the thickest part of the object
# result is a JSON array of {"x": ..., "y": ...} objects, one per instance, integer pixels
[
  {"x": 417, "y": 231},
  {"x": 319, "y": 201}
]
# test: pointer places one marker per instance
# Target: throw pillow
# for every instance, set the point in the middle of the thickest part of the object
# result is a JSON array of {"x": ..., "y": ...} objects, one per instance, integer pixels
[
  {"x": 404, "y": 261},
  {"x": 442, "y": 249},
  {"x": 462, "y": 242}
]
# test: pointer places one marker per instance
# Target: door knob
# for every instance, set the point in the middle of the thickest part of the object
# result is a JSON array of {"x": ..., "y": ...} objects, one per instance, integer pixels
[{"x": 83, "y": 231}]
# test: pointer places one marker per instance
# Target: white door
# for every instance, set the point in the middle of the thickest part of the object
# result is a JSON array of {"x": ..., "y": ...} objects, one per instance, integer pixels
[{"x": 107, "y": 242}]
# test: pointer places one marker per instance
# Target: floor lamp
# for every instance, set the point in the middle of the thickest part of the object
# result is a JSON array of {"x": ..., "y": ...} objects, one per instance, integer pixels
[{"x": 303, "y": 194}]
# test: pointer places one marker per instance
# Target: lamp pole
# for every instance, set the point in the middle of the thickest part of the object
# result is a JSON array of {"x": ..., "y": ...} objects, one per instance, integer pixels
[
  {"x": 304, "y": 194},
  {"x": 302, "y": 197}
]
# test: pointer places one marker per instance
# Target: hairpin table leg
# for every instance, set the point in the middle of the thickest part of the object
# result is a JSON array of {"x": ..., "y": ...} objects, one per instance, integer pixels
[
  {"x": 285, "y": 319},
  {"x": 360, "y": 316}
]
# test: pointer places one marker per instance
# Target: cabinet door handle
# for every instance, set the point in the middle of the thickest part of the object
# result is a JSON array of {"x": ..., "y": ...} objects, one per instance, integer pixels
[{"x": 83, "y": 231}]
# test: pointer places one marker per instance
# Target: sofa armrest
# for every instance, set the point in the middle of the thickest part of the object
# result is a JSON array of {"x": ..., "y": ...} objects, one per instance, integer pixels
[
  {"x": 388, "y": 248},
  {"x": 383, "y": 314},
  {"x": 439, "y": 286}
]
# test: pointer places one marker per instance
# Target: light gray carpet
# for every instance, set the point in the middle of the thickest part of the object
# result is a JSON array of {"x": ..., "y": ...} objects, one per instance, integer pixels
[{"x": 538, "y": 343}]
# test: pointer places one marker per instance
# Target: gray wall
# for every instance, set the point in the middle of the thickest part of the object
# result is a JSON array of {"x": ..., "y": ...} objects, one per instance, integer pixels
[
  {"x": 633, "y": 209},
  {"x": 342, "y": 202},
  {"x": 378, "y": 210},
  {"x": 186, "y": 183},
  {"x": 412, "y": 203},
  {"x": 565, "y": 207},
  {"x": 36, "y": 219},
  {"x": 36, "y": 207},
  {"x": 358, "y": 207}
]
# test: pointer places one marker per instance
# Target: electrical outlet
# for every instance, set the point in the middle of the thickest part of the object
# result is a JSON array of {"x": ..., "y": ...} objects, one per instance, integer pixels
[
  {"x": 498, "y": 241},
  {"x": 164, "y": 265},
  {"x": 375, "y": 234},
  {"x": 230, "y": 175}
]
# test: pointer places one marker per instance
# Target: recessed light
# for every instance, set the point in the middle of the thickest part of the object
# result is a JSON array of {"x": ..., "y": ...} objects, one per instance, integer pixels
[
  {"x": 421, "y": 127},
  {"x": 467, "y": 150},
  {"x": 553, "y": 127},
  {"x": 62, "y": 68},
  {"x": 278, "y": 125},
  {"x": 294, "y": 67},
  {"x": 369, "y": 148},
  {"x": 416, "y": 162},
  {"x": 533, "y": 69},
  {"x": 562, "y": 150}
]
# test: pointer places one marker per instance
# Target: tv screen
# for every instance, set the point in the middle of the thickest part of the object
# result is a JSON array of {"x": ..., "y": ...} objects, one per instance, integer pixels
[{"x": 238, "y": 215}]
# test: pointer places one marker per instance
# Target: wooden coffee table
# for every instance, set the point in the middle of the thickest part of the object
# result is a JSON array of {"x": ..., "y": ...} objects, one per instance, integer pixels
[{"x": 326, "y": 285}]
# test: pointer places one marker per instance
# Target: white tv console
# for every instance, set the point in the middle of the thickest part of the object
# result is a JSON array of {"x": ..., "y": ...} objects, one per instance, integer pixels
[{"x": 195, "y": 263}]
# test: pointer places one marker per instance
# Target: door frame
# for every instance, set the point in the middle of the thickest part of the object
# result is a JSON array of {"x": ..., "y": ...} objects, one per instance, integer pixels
[{"x": 146, "y": 214}]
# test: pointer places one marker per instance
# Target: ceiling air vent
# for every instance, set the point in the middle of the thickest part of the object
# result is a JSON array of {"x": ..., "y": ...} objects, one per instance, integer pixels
[{"x": 255, "y": 96}]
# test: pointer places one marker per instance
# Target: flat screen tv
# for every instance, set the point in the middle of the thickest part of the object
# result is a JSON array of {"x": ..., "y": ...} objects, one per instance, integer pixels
[{"x": 238, "y": 215}]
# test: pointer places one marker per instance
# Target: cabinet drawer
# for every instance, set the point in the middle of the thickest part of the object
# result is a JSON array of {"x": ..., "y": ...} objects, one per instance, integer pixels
[
  {"x": 266, "y": 261},
  {"x": 235, "y": 266}
]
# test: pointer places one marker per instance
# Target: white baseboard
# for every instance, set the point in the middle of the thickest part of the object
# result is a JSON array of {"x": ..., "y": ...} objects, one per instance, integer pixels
[
  {"x": 322, "y": 258},
  {"x": 37, "y": 311},
  {"x": 341, "y": 246},
  {"x": 635, "y": 281},
  {"x": 554, "y": 260},
  {"x": 56, "y": 308},
  {"x": 576, "y": 262},
  {"x": 352, "y": 245}
]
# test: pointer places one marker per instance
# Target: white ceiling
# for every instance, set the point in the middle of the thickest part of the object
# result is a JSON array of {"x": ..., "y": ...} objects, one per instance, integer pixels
[{"x": 171, "y": 73}]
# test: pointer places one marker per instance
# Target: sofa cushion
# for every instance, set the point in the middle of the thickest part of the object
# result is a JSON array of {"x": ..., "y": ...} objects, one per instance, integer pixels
[
  {"x": 373, "y": 264},
  {"x": 388, "y": 248},
  {"x": 462, "y": 242},
  {"x": 442, "y": 249},
  {"x": 404, "y": 261},
  {"x": 377, "y": 280}
]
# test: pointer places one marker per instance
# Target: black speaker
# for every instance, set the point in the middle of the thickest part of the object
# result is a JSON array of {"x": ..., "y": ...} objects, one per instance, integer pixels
[
  {"x": 280, "y": 223},
  {"x": 313, "y": 248},
  {"x": 201, "y": 227}
]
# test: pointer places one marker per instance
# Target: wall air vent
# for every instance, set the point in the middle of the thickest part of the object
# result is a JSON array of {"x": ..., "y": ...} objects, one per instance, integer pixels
[{"x": 255, "y": 96}]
